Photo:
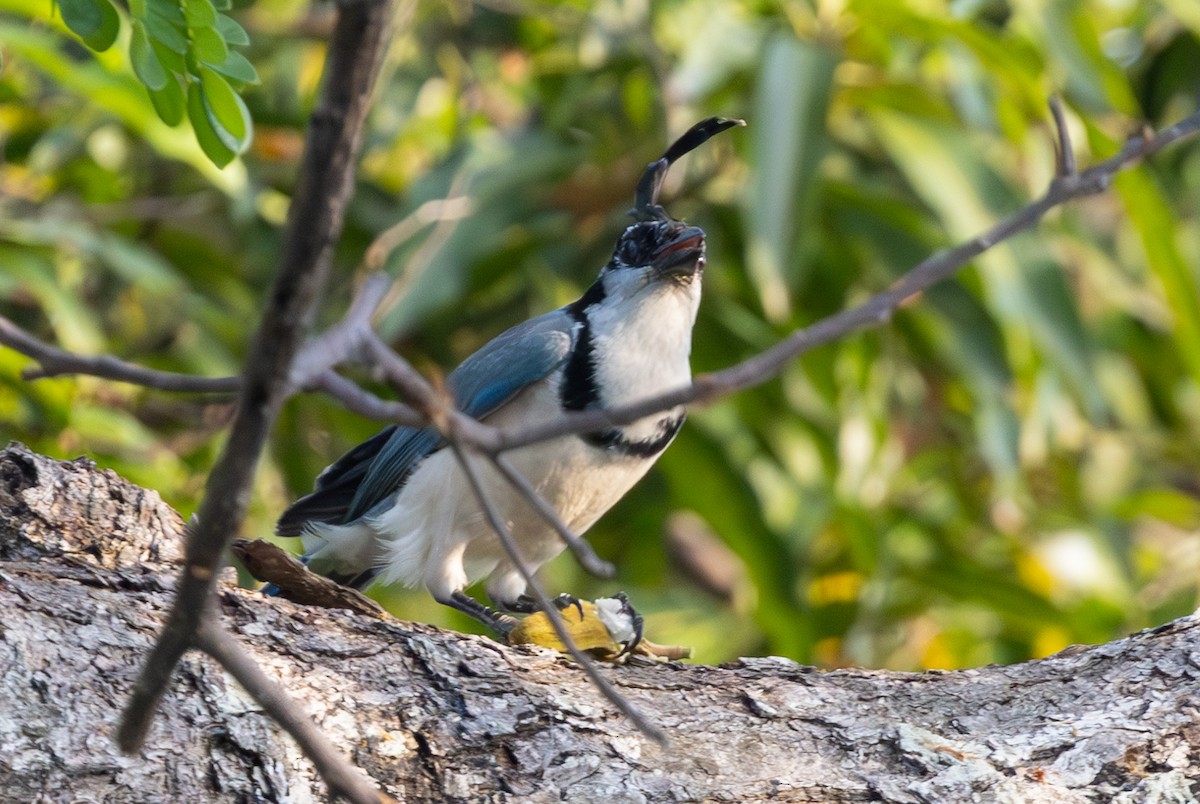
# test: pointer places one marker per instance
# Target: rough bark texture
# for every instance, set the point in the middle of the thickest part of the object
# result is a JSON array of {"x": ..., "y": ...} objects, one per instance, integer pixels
[{"x": 85, "y": 581}]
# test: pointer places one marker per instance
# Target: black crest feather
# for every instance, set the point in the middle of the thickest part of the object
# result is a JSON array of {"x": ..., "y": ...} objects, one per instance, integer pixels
[{"x": 646, "y": 199}]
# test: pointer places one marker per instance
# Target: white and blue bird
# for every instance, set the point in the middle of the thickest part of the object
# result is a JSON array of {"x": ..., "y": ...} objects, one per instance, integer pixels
[{"x": 398, "y": 509}]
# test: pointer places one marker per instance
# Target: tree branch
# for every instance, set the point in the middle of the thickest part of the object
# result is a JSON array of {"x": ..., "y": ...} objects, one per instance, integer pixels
[
  {"x": 875, "y": 311},
  {"x": 55, "y": 362},
  {"x": 760, "y": 368},
  {"x": 315, "y": 220},
  {"x": 583, "y": 551}
]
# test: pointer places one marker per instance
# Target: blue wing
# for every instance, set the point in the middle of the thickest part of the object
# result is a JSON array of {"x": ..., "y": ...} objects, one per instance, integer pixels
[{"x": 371, "y": 473}]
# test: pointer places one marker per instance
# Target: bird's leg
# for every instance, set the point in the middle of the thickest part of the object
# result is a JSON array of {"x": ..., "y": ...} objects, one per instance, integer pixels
[
  {"x": 500, "y": 623},
  {"x": 526, "y": 604}
]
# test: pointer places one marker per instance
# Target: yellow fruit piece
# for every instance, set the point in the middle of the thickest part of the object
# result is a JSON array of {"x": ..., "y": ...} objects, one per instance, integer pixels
[{"x": 587, "y": 631}]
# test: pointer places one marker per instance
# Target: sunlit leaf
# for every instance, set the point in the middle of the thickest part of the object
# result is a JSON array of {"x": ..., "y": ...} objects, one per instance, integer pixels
[
  {"x": 212, "y": 142},
  {"x": 169, "y": 102},
  {"x": 208, "y": 45},
  {"x": 237, "y": 68},
  {"x": 199, "y": 13},
  {"x": 227, "y": 112},
  {"x": 164, "y": 29}
]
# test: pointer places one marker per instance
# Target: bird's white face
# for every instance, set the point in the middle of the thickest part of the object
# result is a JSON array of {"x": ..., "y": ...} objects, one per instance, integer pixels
[
  {"x": 640, "y": 315},
  {"x": 657, "y": 255}
]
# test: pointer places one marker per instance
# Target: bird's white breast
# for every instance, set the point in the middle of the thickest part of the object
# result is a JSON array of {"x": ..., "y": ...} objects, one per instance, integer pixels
[{"x": 641, "y": 347}]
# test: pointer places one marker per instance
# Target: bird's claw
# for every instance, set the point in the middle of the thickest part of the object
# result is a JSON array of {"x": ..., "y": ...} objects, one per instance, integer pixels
[
  {"x": 566, "y": 601},
  {"x": 638, "y": 625},
  {"x": 527, "y": 604}
]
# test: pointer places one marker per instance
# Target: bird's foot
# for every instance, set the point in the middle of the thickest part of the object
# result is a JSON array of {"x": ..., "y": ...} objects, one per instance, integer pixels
[
  {"x": 501, "y": 623},
  {"x": 622, "y": 621},
  {"x": 609, "y": 628},
  {"x": 527, "y": 604}
]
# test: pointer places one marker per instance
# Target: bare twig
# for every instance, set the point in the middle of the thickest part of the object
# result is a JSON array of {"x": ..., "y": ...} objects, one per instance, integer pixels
[
  {"x": 583, "y": 551},
  {"x": 363, "y": 402},
  {"x": 327, "y": 173},
  {"x": 753, "y": 371},
  {"x": 55, "y": 362},
  {"x": 1065, "y": 162},
  {"x": 271, "y": 563},
  {"x": 344, "y": 780},
  {"x": 544, "y": 602}
]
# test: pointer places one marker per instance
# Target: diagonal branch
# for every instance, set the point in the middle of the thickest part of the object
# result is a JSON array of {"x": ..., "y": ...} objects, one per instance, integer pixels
[
  {"x": 560, "y": 628},
  {"x": 327, "y": 172},
  {"x": 55, "y": 362},
  {"x": 583, "y": 551},
  {"x": 1067, "y": 185}
]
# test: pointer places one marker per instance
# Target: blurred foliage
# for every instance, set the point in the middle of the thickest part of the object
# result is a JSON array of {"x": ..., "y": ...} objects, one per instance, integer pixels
[{"x": 1011, "y": 465}]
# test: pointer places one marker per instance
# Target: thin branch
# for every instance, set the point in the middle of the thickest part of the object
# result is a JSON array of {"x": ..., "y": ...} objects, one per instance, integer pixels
[
  {"x": 363, "y": 402},
  {"x": 1065, "y": 155},
  {"x": 510, "y": 548},
  {"x": 327, "y": 173},
  {"x": 435, "y": 406},
  {"x": 583, "y": 551},
  {"x": 55, "y": 362},
  {"x": 454, "y": 207},
  {"x": 343, "y": 779}
]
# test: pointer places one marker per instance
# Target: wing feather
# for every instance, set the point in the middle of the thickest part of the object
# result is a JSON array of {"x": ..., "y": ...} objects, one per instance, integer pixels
[{"x": 371, "y": 473}]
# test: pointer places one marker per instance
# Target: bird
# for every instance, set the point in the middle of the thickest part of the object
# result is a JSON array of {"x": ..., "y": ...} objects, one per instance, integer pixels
[{"x": 398, "y": 508}]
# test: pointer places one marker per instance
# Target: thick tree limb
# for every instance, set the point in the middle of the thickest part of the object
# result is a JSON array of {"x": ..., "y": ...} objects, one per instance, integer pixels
[{"x": 86, "y": 577}]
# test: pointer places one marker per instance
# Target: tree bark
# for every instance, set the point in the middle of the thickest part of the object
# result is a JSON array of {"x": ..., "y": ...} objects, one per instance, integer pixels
[{"x": 87, "y": 567}]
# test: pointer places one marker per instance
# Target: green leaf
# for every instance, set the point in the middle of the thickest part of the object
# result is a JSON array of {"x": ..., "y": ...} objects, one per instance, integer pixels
[
  {"x": 210, "y": 141},
  {"x": 237, "y": 68},
  {"x": 208, "y": 45},
  {"x": 168, "y": 11},
  {"x": 146, "y": 65},
  {"x": 1155, "y": 224},
  {"x": 168, "y": 102},
  {"x": 94, "y": 21},
  {"x": 230, "y": 117},
  {"x": 231, "y": 31},
  {"x": 170, "y": 59},
  {"x": 137, "y": 9},
  {"x": 164, "y": 30},
  {"x": 222, "y": 5},
  {"x": 199, "y": 13}
]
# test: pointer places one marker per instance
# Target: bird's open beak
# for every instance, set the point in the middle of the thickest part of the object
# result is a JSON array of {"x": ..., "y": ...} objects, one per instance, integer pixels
[{"x": 682, "y": 255}]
